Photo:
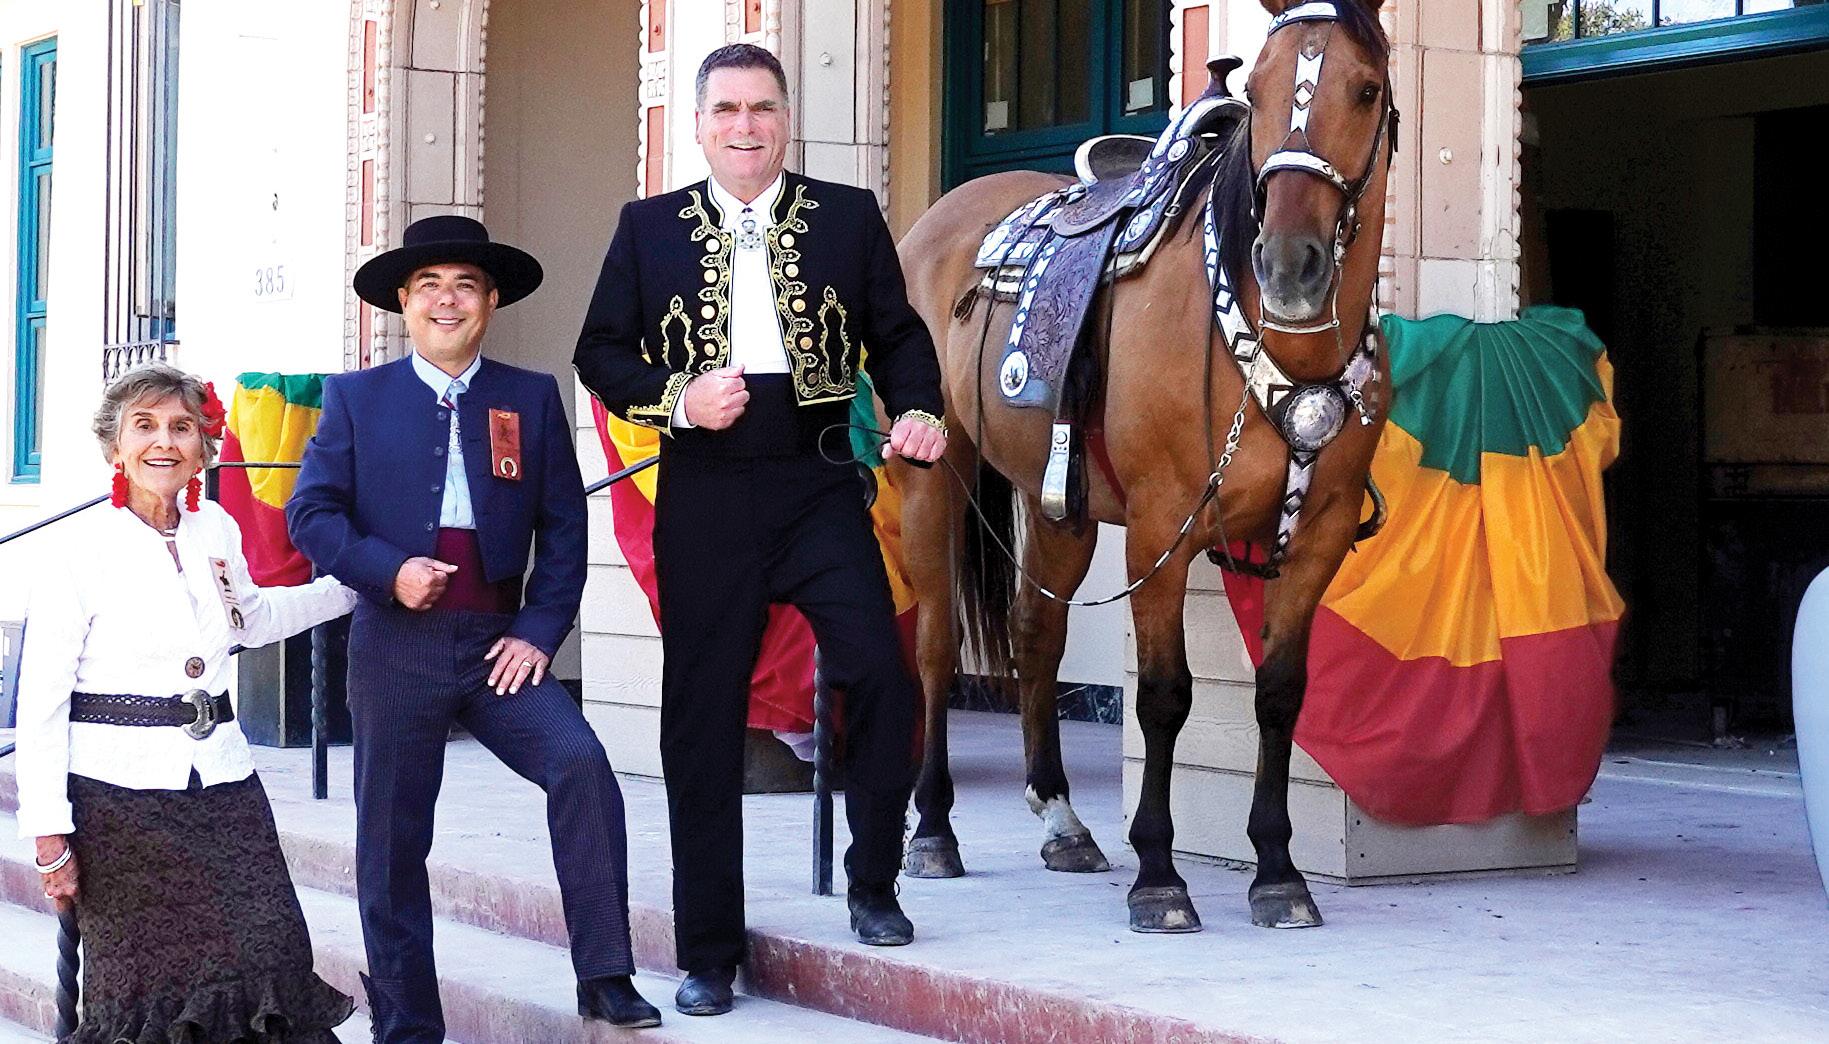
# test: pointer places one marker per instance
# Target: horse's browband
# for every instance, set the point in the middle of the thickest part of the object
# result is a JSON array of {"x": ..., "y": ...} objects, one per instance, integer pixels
[{"x": 1314, "y": 11}]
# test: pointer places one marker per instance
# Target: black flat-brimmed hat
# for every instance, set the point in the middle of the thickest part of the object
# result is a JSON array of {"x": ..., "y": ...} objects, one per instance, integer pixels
[{"x": 441, "y": 239}]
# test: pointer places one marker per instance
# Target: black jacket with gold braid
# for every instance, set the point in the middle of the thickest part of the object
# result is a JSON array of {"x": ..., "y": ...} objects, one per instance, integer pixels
[{"x": 661, "y": 312}]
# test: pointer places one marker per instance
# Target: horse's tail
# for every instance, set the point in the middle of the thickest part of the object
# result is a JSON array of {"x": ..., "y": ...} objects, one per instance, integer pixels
[{"x": 987, "y": 577}]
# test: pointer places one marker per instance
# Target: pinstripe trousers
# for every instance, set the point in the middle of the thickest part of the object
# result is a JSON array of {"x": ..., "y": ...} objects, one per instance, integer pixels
[{"x": 411, "y": 675}]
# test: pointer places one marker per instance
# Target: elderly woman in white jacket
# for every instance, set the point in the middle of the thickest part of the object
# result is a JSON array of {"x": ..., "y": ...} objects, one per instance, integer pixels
[{"x": 134, "y": 777}]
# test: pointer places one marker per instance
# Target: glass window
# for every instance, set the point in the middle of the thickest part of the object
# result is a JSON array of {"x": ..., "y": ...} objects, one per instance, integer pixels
[
  {"x": 1027, "y": 80},
  {"x": 1074, "y": 77},
  {"x": 1040, "y": 59},
  {"x": 1676, "y": 12},
  {"x": 1143, "y": 82},
  {"x": 1545, "y": 20},
  {"x": 1036, "y": 58},
  {"x": 47, "y": 102},
  {"x": 1606, "y": 17},
  {"x": 999, "y": 64},
  {"x": 34, "y": 337},
  {"x": 1548, "y": 21},
  {"x": 41, "y": 282}
]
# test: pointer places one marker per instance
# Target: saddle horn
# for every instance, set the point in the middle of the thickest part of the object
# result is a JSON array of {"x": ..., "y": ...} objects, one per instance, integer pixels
[{"x": 1217, "y": 71}]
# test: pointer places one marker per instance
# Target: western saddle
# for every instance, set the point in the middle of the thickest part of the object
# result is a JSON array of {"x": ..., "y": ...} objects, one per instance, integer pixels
[{"x": 1051, "y": 255}]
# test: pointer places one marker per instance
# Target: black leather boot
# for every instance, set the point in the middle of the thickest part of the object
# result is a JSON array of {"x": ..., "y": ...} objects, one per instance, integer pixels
[
  {"x": 614, "y": 999},
  {"x": 876, "y": 917},
  {"x": 706, "y": 992}
]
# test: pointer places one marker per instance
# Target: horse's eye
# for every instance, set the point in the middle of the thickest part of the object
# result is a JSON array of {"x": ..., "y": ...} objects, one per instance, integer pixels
[{"x": 1368, "y": 93}]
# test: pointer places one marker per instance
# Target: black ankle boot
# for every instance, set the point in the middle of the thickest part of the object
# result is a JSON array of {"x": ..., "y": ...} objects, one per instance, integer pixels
[
  {"x": 613, "y": 999},
  {"x": 706, "y": 992},
  {"x": 876, "y": 917}
]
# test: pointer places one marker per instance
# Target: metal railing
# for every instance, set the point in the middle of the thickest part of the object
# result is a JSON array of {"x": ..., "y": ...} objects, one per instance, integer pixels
[{"x": 119, "y": 358}]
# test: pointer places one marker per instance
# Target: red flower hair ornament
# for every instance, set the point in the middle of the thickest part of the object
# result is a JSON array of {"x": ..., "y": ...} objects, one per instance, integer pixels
[{"x": 213, "y": 412}]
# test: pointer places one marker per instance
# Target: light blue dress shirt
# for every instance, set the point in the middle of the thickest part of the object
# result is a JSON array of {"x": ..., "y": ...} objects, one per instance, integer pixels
[{"x": 454, "y": 511}]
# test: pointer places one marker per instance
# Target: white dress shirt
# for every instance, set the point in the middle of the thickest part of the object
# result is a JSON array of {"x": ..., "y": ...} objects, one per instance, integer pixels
[
  {"x": 109, "y": 612},
  {"x": 755, "y": 326},
  {"x": 454, "y": 511}
]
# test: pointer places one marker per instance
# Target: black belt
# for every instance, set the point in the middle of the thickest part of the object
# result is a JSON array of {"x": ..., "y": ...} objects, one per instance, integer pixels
[{"x": 196, "y": 712}]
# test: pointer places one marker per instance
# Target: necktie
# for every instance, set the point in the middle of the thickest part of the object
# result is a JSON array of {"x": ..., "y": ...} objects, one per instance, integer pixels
[{"x": 449, "y": 402}]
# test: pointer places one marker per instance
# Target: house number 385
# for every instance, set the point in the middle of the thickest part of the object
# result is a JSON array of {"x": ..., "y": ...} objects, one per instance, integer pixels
[{"x": 270, "y": 281}]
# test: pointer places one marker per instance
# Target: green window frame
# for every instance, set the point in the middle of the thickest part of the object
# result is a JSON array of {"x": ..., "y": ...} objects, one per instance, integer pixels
[
  {"x": 1732, "y": 36},
  {"x": 38, "y": 93},
  {"x": 970, "y": 152}
]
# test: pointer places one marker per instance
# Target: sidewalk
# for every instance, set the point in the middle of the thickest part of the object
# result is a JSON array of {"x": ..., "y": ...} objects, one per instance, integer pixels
[{"x": 1696, "y": 915}]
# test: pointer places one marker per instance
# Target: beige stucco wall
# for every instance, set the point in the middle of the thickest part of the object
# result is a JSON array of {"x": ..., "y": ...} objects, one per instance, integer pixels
[
  {"x": 916, "y": 71},
  {"x": 259, "y": 189},
  {"x": 558, "y": 164}
]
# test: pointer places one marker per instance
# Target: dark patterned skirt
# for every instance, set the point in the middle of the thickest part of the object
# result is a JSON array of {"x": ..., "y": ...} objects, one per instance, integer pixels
[{"x": 192, "y": 933}]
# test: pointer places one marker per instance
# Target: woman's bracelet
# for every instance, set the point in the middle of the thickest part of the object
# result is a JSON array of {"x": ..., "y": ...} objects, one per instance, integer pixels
[{"x": 55, "y": 864}]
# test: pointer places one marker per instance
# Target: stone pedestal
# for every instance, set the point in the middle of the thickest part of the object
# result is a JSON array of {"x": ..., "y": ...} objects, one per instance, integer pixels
[{"x": 1216, "y": 758}]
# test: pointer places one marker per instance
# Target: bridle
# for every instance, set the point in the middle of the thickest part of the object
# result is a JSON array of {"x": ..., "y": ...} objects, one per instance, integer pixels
[{"x": 1290, "y": 156}]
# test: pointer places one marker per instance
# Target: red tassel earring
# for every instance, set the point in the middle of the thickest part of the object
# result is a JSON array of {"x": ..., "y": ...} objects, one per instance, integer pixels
[
  {"x": 191, "y": 493},
  {"x": 119, "y": 495}
]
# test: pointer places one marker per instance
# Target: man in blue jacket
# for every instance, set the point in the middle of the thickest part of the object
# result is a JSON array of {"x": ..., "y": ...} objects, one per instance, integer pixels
[{"x": 426, "y": 485}]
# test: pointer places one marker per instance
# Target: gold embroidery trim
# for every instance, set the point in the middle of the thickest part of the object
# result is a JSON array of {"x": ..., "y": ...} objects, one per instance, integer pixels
[
  {"x": 676, "y": 312},
  {"x": 925, "y": 418},
  {"x": 660, "y": 415},
  {"x": 812, "y": 380},
  {"x": 847, "y": 380},
  {"x": 713, "y": 332}
]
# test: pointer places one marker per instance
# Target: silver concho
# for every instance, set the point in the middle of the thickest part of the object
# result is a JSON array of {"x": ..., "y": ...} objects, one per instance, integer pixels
[
  {"x": 1179, "y": 149},
  {"x": 1015, "y": 374},
  {"x": 1315, "y": 415}
]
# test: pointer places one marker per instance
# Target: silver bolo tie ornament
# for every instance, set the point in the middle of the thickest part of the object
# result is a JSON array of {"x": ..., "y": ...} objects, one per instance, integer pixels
[{"x": 748, "y": 236}]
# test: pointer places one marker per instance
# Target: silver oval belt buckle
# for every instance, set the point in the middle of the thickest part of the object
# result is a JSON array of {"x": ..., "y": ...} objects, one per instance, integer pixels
[{"x": 206, "y": 714}]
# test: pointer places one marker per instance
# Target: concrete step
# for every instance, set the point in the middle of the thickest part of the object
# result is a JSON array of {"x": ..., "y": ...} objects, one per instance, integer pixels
[
  {"x": 13, "y": 1033},
  {"x": 799, "y": 954},
  {"x": 497, "y": 988},
  {"x": 28, "y": 979}
]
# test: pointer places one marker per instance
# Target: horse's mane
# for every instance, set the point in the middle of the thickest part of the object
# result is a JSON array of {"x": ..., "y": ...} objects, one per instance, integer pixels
[
  {"x": 1361, "y": 23},
  {"x": 1234, "y": 214}
]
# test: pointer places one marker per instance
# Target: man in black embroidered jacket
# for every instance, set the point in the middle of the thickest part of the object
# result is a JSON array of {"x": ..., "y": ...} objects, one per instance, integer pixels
[{"x": 732, "y": 315}]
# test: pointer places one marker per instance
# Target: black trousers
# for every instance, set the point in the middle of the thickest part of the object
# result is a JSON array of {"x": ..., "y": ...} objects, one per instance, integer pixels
[
  {"x": 411, "y": 675},
  {"x": 733, "y": 534}
]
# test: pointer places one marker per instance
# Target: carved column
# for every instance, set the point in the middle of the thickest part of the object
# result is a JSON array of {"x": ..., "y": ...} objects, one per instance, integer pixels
[{"x": 415, "y": 137}]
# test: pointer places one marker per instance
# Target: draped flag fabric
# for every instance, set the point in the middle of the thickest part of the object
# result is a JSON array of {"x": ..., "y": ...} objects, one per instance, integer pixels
[
  {"x": 781, "y": 689},
  {"x": 1460, "y": 663},
  {"x": 271, "y": 417}
]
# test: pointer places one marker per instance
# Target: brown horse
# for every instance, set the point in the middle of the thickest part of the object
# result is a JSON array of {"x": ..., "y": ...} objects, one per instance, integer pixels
[{"x": 1301, "y": 204}]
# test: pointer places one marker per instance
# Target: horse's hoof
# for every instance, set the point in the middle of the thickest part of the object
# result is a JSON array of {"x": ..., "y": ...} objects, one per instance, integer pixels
[
  {"x": 1074, "y": 854},
  {"x": 1162, "y": 911},
  {"x": 1284, "y": 905},
  {"x": 933, "y": 857}
]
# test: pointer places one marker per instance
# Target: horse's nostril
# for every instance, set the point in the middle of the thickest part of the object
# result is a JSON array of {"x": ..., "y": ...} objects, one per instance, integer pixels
[
  {"x": 1290, "y": 264},
  {"x": 1314, "y": 263}
]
